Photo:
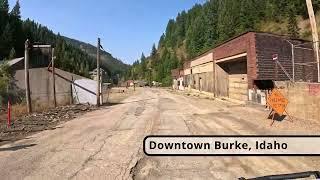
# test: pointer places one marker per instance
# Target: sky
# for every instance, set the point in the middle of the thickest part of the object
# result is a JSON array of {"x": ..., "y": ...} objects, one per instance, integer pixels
[{"x": 126, "y": 27}]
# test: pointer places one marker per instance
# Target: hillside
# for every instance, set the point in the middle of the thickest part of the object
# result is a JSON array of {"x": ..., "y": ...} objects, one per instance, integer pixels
[
  {"x": 72, "y": 55},
  {"x": 206, "y": 25},
  {"x": 108, "y": 62}
]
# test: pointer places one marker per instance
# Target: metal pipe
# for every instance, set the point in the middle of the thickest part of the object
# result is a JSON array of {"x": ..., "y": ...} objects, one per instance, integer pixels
[{"x": 292, "y": 60}]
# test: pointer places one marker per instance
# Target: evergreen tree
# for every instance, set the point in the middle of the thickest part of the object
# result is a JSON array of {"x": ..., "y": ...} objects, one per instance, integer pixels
[
  {"x": 293, "y": 29},
  {"x": 153, "y": 51},
  {"x": 205, "y": 25},
  {"x": 6, "y": 41},
  {"x": 16, "y": 25},
  {"x": 4, "y": 9},
  {"x": 161, "y": 41},
  {"x": 12, "y": 54},
  {"x": 16, "y": 10}
]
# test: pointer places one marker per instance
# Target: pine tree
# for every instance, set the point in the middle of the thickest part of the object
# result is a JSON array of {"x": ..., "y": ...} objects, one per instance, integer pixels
[
  {"x": 16, "y": 25},
  {"x": 293, "y": 29},
  {"x": 4, "y": 9},
  {"x": 161, "y": 41},
  {"x": 12, "y": 54},
  {"x": 6, "y": 41},
  {"x": 16, "y": 10},
  {"x": 4, "y": 5},
  {"x": 153, "y": 51}
]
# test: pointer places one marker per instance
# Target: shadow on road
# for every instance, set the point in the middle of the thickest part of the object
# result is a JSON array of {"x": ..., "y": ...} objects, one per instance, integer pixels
[
  {"x": 138, "y": 101},
  {"x": 16, "y": 148},
  {"x": 277, "y": 117},
  {"x": 114, "y": 104}
]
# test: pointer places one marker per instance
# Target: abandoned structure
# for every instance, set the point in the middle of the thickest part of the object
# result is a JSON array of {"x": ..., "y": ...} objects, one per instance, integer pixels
[
  {"x": 244, "y": 67},
  {"x": 41, "y": 82}
]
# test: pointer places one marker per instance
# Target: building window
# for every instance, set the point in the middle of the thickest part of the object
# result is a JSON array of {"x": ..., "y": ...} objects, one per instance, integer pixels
[{"x": 190, "y": 71}]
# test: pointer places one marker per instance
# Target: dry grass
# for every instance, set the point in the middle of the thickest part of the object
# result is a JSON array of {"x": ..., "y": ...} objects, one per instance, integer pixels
[
  {"x": 19, "y": 110},
  {"x": 273, "y": 27},
  {"x": 281, "y": 27}
]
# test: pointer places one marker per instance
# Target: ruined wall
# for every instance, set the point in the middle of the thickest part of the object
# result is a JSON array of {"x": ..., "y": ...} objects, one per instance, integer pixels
[
  {"x": 203, "y": 82},
  {"x": 41, "y": 86},
  {"x": 303, "y": 99}
]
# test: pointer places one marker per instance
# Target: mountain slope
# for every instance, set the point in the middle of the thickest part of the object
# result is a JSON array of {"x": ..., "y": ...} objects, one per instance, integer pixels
[
  {"x": 206, "y": 25},
  {"x": 108, "y": 62}
]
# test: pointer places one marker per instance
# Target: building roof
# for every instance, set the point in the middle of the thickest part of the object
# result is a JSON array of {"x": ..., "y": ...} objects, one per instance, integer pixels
[
  {"x": 242, "y": 34},
  {"x": 13, "y": 61}
]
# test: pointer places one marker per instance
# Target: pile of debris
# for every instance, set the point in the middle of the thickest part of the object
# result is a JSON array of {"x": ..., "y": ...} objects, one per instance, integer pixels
[{"x": 35, "y": 122}]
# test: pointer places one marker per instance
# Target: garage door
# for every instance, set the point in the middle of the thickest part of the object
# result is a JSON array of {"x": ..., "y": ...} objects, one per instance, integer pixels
[{"x": 238, "y": 87}]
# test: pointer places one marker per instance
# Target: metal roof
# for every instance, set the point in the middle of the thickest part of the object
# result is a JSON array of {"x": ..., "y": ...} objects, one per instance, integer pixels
[{"x": 14, "y": 61}]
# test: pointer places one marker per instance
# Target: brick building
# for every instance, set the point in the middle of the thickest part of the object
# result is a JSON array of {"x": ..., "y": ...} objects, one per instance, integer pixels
[{"x": 242, "y": 67}]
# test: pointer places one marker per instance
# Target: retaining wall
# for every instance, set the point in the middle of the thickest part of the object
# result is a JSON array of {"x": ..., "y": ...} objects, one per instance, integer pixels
[{"x": 304, "y": 99}]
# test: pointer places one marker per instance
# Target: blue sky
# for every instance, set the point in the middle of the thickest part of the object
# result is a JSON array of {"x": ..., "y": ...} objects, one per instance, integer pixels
[{"x": 126, "y": 27}]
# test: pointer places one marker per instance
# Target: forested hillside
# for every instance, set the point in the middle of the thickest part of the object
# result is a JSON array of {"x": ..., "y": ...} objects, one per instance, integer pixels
[
  {"x": 108, "y": 62},
  {"x": 205, "y": 25},
  {"x": 70, "y": 57}
]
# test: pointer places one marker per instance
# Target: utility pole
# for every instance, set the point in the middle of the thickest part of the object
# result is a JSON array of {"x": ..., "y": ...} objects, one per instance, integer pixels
[
  {"x": 101, "y": 87},
  {"x": 98, "y": 73},
  {"x": 26, "y": 75},
  {"x": 315, "y": 36},
  {"x": 134, "y": 84},
  {"x": 53, "y": 79}
]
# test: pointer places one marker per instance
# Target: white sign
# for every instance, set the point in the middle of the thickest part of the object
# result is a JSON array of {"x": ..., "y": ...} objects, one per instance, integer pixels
[
  {"x": 232, "y": 145},
  {"x": 275, "y": 57}
]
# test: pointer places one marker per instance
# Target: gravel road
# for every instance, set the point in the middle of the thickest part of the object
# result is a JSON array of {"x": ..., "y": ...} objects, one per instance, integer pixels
[{"x": 107, "y": 143}]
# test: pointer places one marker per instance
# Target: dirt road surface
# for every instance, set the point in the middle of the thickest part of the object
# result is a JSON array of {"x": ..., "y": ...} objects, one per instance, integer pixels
[{"x": 107, "y": 144}]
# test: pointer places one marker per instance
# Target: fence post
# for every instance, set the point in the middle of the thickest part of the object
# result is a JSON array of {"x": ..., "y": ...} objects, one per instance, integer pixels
[
  {"x": 98, "y": 72},
  {"x": 9, "y": 113},
  {"x": 71, "y": 84},
  {"x": 9, "y": 108},
  {"x": 26, "y": 75},
  {"x": 53, "y": 79}
]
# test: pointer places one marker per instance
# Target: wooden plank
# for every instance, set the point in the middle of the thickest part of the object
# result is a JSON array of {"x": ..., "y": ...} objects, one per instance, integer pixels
[{"x": 222, "y": 82}]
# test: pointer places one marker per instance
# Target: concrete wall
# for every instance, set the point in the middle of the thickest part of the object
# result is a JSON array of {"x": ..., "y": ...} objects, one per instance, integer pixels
[
  {"x": 304, "y": 99},
  {"x": 41, "y": 86}
]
